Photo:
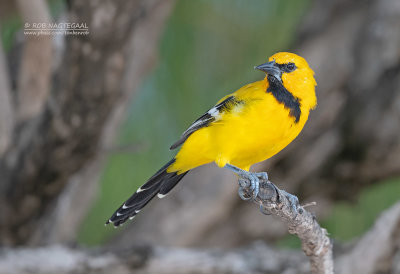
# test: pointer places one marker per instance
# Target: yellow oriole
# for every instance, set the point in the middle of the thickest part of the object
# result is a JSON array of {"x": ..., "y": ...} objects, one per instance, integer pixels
[{"x": 245, "y": 127}]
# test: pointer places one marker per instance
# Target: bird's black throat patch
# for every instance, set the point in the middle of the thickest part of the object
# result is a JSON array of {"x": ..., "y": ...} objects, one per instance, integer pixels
[{"x": 283, "y": 96}]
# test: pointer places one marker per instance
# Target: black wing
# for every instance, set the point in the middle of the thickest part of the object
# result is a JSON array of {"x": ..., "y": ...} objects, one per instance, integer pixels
[{"x": 207, "y": 118}]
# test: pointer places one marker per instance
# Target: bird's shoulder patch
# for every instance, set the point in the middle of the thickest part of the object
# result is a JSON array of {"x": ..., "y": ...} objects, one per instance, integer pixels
[{"x": 212, "y": 115}]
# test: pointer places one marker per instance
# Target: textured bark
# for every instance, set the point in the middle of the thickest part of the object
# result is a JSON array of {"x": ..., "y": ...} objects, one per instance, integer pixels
[
  {"x": 315, "y": 241},
  {"x": 64, "y": 131}
]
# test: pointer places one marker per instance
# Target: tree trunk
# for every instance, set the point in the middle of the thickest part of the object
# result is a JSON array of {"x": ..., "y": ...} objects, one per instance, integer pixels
[{"x": 64, "y": 131}]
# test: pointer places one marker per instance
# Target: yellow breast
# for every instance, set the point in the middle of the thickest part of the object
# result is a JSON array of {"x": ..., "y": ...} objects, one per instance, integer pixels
[{"x": 255, "y": 132}]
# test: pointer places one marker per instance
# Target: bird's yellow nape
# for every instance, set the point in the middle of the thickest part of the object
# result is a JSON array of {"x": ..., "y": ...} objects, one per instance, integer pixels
[{"x": 300, "y": 82}]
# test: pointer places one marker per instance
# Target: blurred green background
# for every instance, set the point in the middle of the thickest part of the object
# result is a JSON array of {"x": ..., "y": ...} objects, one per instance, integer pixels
[{"x": 186, "y": 82}]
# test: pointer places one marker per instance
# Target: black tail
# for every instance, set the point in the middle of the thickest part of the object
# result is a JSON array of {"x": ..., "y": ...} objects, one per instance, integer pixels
[{"x": 159, "y": 184}]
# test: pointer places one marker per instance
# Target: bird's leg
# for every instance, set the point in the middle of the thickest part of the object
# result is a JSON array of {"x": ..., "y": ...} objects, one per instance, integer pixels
[{"x": 248, "y": 179}]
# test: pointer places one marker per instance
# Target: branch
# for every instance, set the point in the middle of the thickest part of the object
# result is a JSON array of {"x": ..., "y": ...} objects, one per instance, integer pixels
[{"x": 315, "y": 242}]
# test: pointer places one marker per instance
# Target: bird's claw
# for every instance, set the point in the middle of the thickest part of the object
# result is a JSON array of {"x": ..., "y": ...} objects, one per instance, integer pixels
[
  {"x": 262, "y": 175},
  {"x": 248, "y": 180},
  {"x": 252, "y": 181}
]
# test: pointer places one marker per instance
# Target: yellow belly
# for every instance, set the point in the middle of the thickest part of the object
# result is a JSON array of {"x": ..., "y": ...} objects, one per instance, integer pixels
[{"x": 253, "y": 133}]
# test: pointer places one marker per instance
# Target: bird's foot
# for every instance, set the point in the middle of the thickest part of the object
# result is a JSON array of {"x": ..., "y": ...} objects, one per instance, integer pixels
[
  {"x": 248, "y": 180},
  {"x": 252, "y": 180}
]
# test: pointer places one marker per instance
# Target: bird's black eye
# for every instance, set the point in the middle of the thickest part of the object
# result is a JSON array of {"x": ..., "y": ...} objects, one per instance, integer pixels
[
  {"x": 291, "y": 66},
  {"x": 288, "y": 67}
]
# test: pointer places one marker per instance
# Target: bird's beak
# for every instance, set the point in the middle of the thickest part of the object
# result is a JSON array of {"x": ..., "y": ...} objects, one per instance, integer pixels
[{"x": 271, "y": 69}]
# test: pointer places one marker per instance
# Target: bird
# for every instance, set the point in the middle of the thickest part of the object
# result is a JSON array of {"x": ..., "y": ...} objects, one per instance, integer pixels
[{"x": 245, "y": 127}]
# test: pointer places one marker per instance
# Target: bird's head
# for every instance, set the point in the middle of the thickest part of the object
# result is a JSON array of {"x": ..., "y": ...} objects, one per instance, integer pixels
[{"x": 294, "y": 73}]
